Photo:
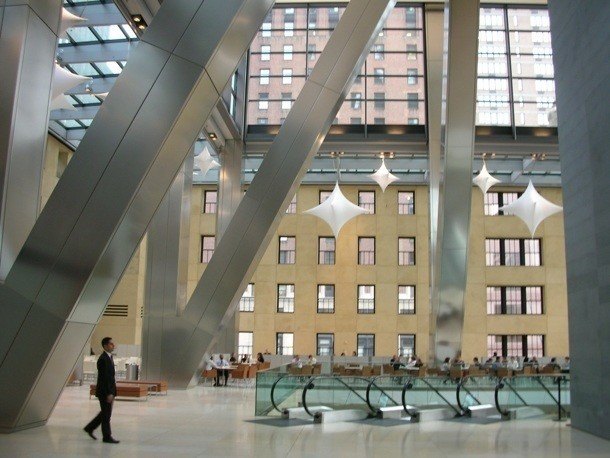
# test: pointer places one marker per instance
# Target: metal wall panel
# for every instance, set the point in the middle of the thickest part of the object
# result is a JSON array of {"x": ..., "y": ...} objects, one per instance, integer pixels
[
  {"x": 100, "y": 209},
  {"x": 27, "y": 53},
  {"x": 450, "y": 265},
  {"x": 211, "y": 306}
]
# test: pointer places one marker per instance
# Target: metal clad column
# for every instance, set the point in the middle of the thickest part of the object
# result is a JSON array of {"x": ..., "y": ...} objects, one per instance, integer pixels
[
  {"x": 166, "y": 269},
  {"x": 450, "y": 267},
  {"x": 93, "y": 222},
  {"x": 229, "y": 196},
  {"x": 434, "y": 81},
  {"x": 28, "y": 39},
  {"x": 286, "y": 162}
]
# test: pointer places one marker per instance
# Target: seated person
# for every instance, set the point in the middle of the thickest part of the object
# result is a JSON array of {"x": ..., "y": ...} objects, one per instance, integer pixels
[
  {"x": 497, "y": 364},
  {"x": 259, "y": 358},
  {"x": 476, "y": 363},
  {"x": 412, "y": 364},
  {"x": 446, "y": 365},
  {"x": 565, "y": 367},
  {"x": 210, "y": 364},
  {"x": 232, "y": 359},
  {"x": 311, "y": 360},
  {"x": 296, "y": 362},
  {"x": 245, "y": 359},
  {"x": 553, "y": 365},
  {"x": 222, "y": 363},
  {"x": 419, "y": 362},
  {"x": 513, "y": 364}
]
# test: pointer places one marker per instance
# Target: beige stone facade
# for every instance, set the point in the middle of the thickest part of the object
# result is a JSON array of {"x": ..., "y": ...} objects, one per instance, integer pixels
[{"x": 386, "y": 225}]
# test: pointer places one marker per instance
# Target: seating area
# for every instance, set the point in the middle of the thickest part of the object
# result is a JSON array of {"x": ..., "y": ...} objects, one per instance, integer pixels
[{"x": 239, "y": 375}]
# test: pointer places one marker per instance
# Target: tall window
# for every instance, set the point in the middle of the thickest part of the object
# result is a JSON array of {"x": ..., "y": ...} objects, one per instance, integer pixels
[
  {"x": 326, "y": 298},
  {"x": 263, "y": 101},
  {"x": 406, "y": 251},
  {"x": 292, "y": 206},
  {"x": 406, "y": 345},
  {"x": 325, "y": 344},
  {"x": 495, "y": 200},
  {"x": 406, "y": 299},
  {"x": 324, "y": 195},
  {"x": 285, "y": 298},
  {"x": 295, "y": 42},
  {"x": 366, "y": 200},
  {"x": 326, "y": 250},
  {"x": 246, "y": 303},
  {"x": 207, "y": 248},
  {"x": 244, "y": 343},
  {"x": 284, "y": 343},
  {"x": 366, "y": 299},
  {"x": 514, "y": 300},
  {"x": 210, "y": 200},
  {"x": 406, "y": 203},
  {"x": 366, "y": 344},
  {"x": 286, "y": 100},
  {"x": 287, "y": 250},
  {"x": 513, "y": 252},
  {"x": 515, "y": 68},
  {"x": 366, "y": 251},
  {"x": 516, "y": 345},
  {"x": 264, "y": 79}
]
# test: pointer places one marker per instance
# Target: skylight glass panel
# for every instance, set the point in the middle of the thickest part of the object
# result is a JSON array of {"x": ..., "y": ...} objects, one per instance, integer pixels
[
  {"x": 84, "y": 69},
  {"x": 109, "y": 68},
  {"x": 82, "y": 35},
  {"x": 69, "y": 123},
  {"x": 129, "y": 31},
  {"x": 86, "y": 122},
  {"x": 87, "y": 99},
  {"x": 110, "y": 32}
]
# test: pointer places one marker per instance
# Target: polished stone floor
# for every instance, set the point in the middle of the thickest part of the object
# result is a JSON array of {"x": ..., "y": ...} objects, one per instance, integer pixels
[{"x": 220, "y": 422}]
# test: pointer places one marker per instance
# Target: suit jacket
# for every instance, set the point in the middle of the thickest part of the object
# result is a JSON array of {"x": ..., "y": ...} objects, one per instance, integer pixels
[{"x": 105, "y": 377}]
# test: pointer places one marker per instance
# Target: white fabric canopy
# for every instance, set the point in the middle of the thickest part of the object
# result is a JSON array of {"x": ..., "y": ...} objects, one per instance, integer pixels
[
  {"x": 532, "y": 208},
  {"x": 64, "y": 80},
  {"x": 61, "y": 103},
  {"x": 484, "y": 180},
  {"x": 336, "y": 210},
  {"x": 204, "y": 161},
  {"x": 383, "y": 177},
  {"x": 69, "y": 20}
]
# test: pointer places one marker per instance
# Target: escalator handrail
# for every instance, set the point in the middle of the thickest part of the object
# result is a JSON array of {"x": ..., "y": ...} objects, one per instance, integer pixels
[
  {"x": 273, "y": 389},
  {"x": 461, "y": 386},
  {"x": 310, "y": 384},
  {"x": 405, "y": 387},
  {"x": 368, "y": 390},
  {"x": 423, "y": 379},
  {"x": 501, "y": 382},
  {"x": 558, "y": 379}
]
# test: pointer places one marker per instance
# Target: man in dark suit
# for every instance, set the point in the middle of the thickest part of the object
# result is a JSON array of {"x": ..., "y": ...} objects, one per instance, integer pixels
[{"x": 105, "y": 391}]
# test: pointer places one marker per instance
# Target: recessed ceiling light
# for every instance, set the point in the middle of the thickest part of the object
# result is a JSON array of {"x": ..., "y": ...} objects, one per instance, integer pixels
[{"x": 212, "y": 135}]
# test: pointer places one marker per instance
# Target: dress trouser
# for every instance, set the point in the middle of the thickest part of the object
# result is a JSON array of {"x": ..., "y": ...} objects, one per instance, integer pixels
[
  {"x": 222, "y": 372},
  {"x": 102, "y": 418}
]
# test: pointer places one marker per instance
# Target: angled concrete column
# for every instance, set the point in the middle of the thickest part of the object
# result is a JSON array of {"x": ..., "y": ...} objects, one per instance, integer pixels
[
  {"x": 434, "y": 80},
  {"x": 229, "y": 196},
  {"x": 450, "y": 266},
  {"x": 581, "y": 57},
  {"x": 28, "y": 38},
  {"x": 166, "y": 269},
  {"x": 259, "y": 213},
  {"x": 93, "y": 222}
]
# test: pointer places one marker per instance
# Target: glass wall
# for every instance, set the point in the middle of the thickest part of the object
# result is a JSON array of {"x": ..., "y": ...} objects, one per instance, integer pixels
[
  {"x": 390, "y": 87},
  {"x": 515, "y": 84}
]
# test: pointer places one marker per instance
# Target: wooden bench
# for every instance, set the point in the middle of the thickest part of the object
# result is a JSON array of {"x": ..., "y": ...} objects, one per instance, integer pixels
[
  {"x": 124, "y": 390},
  {"x": 154, "y": 386}
]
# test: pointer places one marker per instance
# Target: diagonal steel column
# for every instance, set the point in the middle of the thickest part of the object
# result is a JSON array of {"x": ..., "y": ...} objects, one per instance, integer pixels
[
  {"x": 166, "y": 269},
  {"x": 450, "y": 266},
  {"x": 229, "y": 196},
  {"x": 28, "y": 39},
  {"x": 286, "y": 162},
  {"x": 434, "y": 81},
  {"x": 93, "y": 222}
]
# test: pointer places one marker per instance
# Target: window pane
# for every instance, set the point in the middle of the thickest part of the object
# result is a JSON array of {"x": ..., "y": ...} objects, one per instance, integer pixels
[
  {"x": 366, "y": 299},
  {"x": 246, "y": 303},
  {"x": 406, "y": 300},
  {"x": 406, "y": 203},
  {"x": 366, "y": 250}
]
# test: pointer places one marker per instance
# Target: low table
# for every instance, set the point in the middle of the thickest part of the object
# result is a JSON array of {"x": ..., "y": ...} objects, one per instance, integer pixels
[{"x": 125, "y": 390}]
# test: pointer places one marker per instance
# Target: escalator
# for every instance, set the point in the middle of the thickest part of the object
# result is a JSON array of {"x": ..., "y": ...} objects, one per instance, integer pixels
[
  {"x": 430, "y": 398},
  {"x": 475, "y": 396}
]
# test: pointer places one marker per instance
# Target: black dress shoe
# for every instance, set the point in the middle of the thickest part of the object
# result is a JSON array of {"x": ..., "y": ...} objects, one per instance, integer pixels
[
  {"x": 90, "y": 433},
  {"x": 111, "y": 441}
]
